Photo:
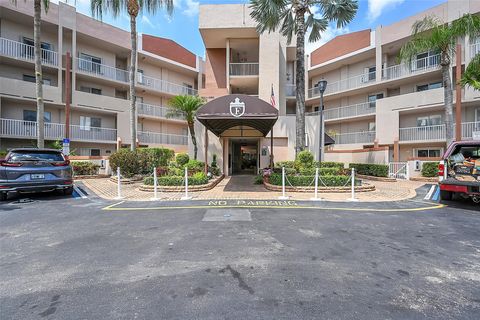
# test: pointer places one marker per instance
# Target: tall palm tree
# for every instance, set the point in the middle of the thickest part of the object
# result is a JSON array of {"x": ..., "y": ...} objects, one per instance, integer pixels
[
  {"x": 432, "y": 34},
  {"x": 133, "y": 7},
  {"x": 186, "y": 106},
  {"x": 471, "y": 77},
  {"x": 288, "y": 16},
  {"x": 37, "y": 50}
]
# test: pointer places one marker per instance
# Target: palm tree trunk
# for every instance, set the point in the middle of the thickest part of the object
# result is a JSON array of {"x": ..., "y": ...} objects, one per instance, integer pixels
[
  {"x": 133, "y": 97},
  {"x": 300, "y": 82},
  {"x": 38, "y": 73},
  {"x": 448, "y": 100},
  {"x": 191, "y": 128}
]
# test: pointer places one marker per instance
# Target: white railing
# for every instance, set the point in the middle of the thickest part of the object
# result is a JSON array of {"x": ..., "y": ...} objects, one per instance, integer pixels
[
  {"x": 290, "y": 90},
  {"x": 55, "y": 131},
  {"x": 162, "y": 138},
  {"x": 468, "y": 128},
  {"x": 425, "y": 133},
  {"x": 22, "y": 51},
  {"x": 354, "y": 137},
  {"x": 102, "y": 70},
  {"x": 155, "y": 111},
  {"x": 355, "y": 110},
  {"x": 345, "y": 84},
  {"x": 244, "y": 69},
  {"x": 398, "y": 170},
  {"x": 475, "y": 49},
  {"x": 406, "y": 69},
  {"x": 164, "y": 86}
]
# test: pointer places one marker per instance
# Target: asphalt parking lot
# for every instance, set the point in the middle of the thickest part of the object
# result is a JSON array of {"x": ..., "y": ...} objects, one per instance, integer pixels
[{"x": 76, "y": 258}]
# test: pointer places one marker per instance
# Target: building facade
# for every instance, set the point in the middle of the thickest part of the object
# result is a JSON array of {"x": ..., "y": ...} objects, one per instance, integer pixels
[{"x": 99, "y": 85}]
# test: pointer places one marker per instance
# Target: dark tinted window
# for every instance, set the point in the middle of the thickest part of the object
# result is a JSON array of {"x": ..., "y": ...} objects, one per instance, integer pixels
[{"x": 35, "y": 156}]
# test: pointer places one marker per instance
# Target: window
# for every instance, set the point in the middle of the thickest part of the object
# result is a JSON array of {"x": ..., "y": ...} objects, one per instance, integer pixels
[
  {"x": 373, "y": 98},
  {"x": 89, "y": 123},
  {"x": 188, "y": 88},
  {"x": 31, "y": 115},
  {"x": 428, "y": 153},
  {"x": 429, "y": 120},
  {"x": 371, "y": 73},
  {"x": 29, "y": 51},
  {"x": 140, "y": 76},
  {"x": 429, "y": 86},
  {"x": 91, "y": 90},
  {"x": 477, "y": 115},
  {"x": 371, "y": 126},
  {"x": 90, "y": 63},
  {"x": 29, "y": 78},
  {"x": 95, "y": 152},
  {"x": 425, "y": 60}
]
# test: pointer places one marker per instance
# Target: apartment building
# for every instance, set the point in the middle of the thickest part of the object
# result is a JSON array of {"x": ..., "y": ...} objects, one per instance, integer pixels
[
  {"x": 99, "y": 85},
  {"x": 374, "y": 101}
]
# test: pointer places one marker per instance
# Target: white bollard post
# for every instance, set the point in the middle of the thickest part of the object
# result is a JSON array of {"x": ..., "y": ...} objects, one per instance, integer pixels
[
  {"x": 119, "y": 187},
  {"x": 316, "y": 198},
  {"x": 353, "y": 186},
  {"x": 283, "y": 196},
  {"x": 186, "y": 197},
  {"x": 155, "y": 185}
]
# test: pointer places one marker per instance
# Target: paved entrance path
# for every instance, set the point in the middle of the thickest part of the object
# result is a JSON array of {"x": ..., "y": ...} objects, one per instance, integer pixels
[{"x": 243, "y": 187}]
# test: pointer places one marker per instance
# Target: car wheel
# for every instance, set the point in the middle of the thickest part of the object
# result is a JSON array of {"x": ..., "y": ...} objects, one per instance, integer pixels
[
  {"x": 3, "y": 196},
  {"x": 446, "y": 195},
  {"x": 68, "y": 191}
]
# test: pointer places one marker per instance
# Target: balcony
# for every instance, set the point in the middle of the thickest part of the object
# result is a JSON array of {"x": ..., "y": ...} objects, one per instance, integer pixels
[
  {"x": 408, "y": 69},
  {"x": 244, "y": 69},
  {"x": 356, "y": 110},
  {"x": 26, "y": 89},
  {"x": 468, "y": 128},
  {"x": 25, "y": 52},
  {"x": 346, "y": 84},
  {"x": 155, "y": 111},
  {"x": 290, "y": 90},
  {"x": 425, "y": 133},
  {"x": 11, "y": 128},
  {"x": 164, "y": 86},
  {"x": 355, "y": 137},
  {"x": 475, "y": 49},
  {"x": 102, "y": 70},
  {"x": 162, "y": 138}
]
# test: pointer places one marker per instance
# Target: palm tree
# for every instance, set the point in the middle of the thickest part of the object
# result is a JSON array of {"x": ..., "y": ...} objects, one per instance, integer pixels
[
  {"x": 186, "y": 107},
  {"x": 432, "y": 34},
  {"x": 288, "y": 16},
  {"x": 133, "y": 7},
  {"x": 37, "y": 7},
  {"x": 471, "y": 77}
]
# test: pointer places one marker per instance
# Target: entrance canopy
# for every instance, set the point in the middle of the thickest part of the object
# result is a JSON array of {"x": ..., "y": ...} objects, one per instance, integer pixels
[{"x": 237, "y": 111}]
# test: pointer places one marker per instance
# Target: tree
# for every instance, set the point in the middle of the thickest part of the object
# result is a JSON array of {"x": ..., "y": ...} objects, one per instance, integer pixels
[
  {"x": 37, "y": 7},
  {"x": 432, "y": 34},
  {"x": 288, "y": 17},
  {"x": 471, "y": 77},
  {"x": 186, "y": 106},
  {"x": 133, "y": 7}
]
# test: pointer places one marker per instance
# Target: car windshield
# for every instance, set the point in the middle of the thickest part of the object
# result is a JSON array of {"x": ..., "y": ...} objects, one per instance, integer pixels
[{"x": 35, "y": 156}]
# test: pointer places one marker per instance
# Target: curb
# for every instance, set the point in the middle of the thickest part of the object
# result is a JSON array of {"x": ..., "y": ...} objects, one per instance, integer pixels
[
  {"x": 204, "y": 187},
  {"x": 365, "y": 188},
  {"x": 373, "y": 178}
]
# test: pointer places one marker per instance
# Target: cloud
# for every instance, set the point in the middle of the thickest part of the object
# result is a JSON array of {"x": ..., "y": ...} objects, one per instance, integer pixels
[
  {"x": 191, "y": 8},
  {"x": 331, "y": 32},
  {"x": 377, "y": 7},
  {"x": 147, "y": 21}
]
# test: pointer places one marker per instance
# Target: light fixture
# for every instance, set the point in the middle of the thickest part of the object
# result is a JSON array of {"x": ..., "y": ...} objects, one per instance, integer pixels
[{"x": 322, "y": 85}]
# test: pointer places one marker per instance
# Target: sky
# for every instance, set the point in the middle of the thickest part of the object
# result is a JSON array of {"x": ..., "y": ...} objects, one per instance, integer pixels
[{"x": 182, "y": 25}]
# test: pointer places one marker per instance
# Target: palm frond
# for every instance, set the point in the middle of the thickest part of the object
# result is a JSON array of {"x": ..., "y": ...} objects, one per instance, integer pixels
[
  {"x": 425, "y": 24},
  {"x": 185, "y": 106},
  {"x": 317, "y": 26},
  {"x": 289, "y": 27},
  {"x": 471, "y": 77},
  {"x": 416, "y": 46},
  {"x": 468, "y": 24},
  {"x": 268, "y": 13},
  {"x": 341, "y": 11}
]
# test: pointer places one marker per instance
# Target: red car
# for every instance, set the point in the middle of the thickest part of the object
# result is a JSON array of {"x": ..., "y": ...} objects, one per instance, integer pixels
[{"x": 459, "y": 171}]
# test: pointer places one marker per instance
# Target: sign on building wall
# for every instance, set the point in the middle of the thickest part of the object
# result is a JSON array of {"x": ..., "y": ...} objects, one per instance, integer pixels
[{"x": 237, "y": 108}]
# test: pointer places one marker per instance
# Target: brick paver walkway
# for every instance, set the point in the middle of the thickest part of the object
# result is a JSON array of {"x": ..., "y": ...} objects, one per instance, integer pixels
[{"x": 242, "y": 187}]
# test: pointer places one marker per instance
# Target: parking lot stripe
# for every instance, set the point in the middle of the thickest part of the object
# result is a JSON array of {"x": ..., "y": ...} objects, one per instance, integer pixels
[
  {"x": 79, "y": 192},
  {"x": 430, "y": 192}
]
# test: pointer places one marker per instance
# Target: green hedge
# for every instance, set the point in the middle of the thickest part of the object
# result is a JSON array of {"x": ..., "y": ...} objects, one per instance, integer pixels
[
  {"x": 430, "y": 169},
  {"x": 140, "y": 161},
  {"x": 197, "y": 179},
  {"x": 286, "y": 164},
  {"x": 182, "y": 159},
  {"x": 330, "y": 181},
  {"x": 321, "y": 171},
  {"x": 84, "y": 168},
  {"x": 376, "y": 170},
  {"x": 330, "y": 164}
]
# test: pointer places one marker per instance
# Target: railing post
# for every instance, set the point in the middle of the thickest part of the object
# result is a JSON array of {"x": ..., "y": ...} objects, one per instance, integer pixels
[
  {"x": 155, "y": 185},
  {"x": 186, "y": 197},
  {"x": 119, "y": 187},
  {"x": 283, "y": 196},
  {"x": 316, "y": 198},
  {"x": 353, "y": 186}
]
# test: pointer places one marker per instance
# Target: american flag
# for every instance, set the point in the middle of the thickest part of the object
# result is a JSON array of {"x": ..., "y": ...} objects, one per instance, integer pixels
[{"x": 272, "y": 98}]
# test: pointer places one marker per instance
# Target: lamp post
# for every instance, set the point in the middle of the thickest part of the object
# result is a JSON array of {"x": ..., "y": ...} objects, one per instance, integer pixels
[{"x": 322, "y": 85}]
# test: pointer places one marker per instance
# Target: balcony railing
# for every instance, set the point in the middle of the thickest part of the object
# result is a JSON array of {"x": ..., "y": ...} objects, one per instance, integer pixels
[
  {"x": 102, "y": 70},
  {"x": 355, "y": 110},
  {"x": 468, "y": 128},
  {"x": 416, "y": 66},
  {"x": 162, "y": 138},
  {"x": 355, "y": 137},
  {"x": 346, "y": 84},
  {"x": 164, "y": 86},
  {"x": 424, "y": 133},
  {"x": 22, "y": 51},
  {"x": 244, "y": 69},
  {"x": 475, "y": 49},
  {"x": 290, "y": 90},
  {"x": 55, "y": 131},
  {"x": 155, "y": 111}
]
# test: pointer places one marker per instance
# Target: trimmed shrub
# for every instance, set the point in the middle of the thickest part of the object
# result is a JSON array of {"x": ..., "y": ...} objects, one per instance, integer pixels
[
  {"x": 288, "y": 171},
  {"x": 195, "y": 165},
  {"x": 330, "y": 164},
  {"x": 375, "y": 170},
  {"x": 182, "y": 159},
  {"x": 297, "y": 181},
  {"x": 158, "y": 157},
  {"x": 215, "y": 171},
  {"x": 430, "y": 169},
  {"x": 214, "y": 161},
  {"x": 140, "y": 161},
  {"x": 258, "y": 179},
  {"x": 286, "y": 164},
  {"x": 321, "y": 171},
  {"x": 127, "y": 160},
  {"x": 84, "y": 168},
  {"x": 197, "y": 179},
  {"x": 305, "y": 158}
]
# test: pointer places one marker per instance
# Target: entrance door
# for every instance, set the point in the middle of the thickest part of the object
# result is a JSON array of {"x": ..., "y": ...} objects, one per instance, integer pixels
[{"x": 244, "y": 156}]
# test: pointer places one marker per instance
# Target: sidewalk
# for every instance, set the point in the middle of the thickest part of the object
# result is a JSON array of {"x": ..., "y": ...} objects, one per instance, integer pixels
[{"x": 242, "y": 187}]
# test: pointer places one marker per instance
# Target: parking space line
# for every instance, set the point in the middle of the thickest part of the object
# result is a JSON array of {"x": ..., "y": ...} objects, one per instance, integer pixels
[
  {"x": 79, "y": 192},
  {"x": 430, "y": 192}
]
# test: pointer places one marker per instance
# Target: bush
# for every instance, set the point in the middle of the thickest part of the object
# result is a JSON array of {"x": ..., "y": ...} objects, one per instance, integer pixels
[
  {"x": 182, "y": 159},
  {"x": 321, "y": 171},
  {"x": 3, "y": 153},
  {"x": 286, "y": 164},
  {"x": 140, "y": 161},
  {"x": 195, "y": 165},
  {"x": 330, "y": 164},
  {"x": 214, "y": 161},
  {"x": 288, "y": 171},
  {"x": 84, "y": 168},
  {"x": 197, "y": 179},
  {"x": 215, "y": 171},
  {"x": 376, "y": 170},
  {"x": 258, "y": 179},
  {"x": 127, "y": 160},
  {"x": 305, "y": 158},
  {"x": 158, "y": 157},
  {"x": 430, "y": 169},
  {"x": 297, "y": 181}
]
